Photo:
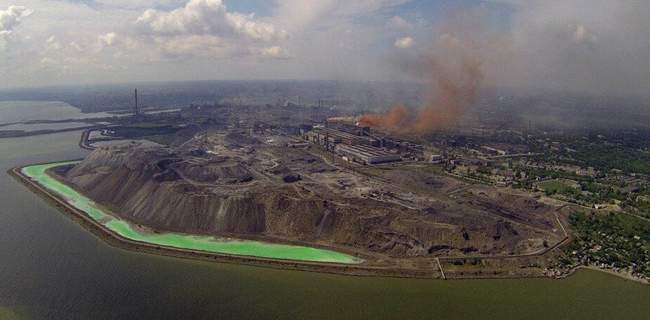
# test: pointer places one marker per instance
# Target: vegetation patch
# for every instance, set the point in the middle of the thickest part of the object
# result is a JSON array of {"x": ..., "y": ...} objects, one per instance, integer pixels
[
  {"x": 608, "y": 157},
  {"x": 557, "y": 186},
  {"x": 615, "y": 241}
]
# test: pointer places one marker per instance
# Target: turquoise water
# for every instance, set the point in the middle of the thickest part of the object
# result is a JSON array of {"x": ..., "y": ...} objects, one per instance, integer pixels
[{"x": 180, "y": 240}]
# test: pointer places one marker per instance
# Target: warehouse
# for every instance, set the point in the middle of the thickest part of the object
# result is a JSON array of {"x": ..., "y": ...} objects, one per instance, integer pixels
[
  {"x": 321, "y": 135},
  {"x": 366, "y": 154}
]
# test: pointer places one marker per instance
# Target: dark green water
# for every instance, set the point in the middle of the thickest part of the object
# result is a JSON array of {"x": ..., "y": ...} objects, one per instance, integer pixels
[{"x": 51, "y": 268}]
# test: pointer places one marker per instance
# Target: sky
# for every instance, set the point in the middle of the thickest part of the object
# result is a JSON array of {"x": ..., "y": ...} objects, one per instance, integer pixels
[{"x": 598, "y": 46}]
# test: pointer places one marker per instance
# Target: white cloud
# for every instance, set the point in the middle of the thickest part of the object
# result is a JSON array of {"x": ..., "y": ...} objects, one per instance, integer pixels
[
  {"x": 207, "y": 29},
  {"x": 335, "y": 39},
  {"x": 404, "y": 43},
  {"x": 121, "y": 44},
  {"x": 107, "y": 40},
  {"x": 588, "y": 45},
  {"x": 76, "y": 46},
  {"x": 207, "y": 17},
  {"x": 398, "y": 23},
  {"x": 137, "y": 4},
  {"x": 275, "y": 52},
  {"x": 194, "y": 45},
  {"x": 48, "y": 62},
  {"x": 77, "y": 41},
  {"x": 11, "y": 17},
  {"x": 53, "y": 43}
]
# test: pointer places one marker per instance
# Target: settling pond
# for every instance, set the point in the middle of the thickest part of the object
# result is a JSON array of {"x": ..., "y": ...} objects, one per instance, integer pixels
[{"x": 125, "y": 229}]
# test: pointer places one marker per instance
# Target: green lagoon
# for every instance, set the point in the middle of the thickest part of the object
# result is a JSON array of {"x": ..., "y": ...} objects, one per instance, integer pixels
[{"x": 179, "y": 240}]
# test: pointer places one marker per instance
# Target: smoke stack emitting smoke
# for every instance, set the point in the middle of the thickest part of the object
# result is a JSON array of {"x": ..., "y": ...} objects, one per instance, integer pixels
[{"x": 454, "y": 72}]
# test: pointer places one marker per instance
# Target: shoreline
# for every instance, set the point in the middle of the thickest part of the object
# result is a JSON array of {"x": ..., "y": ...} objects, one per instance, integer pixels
[
  {"x": 83, "y": 140},
  {"x": 622, "y": 275},
  {"x": 21, "y": 134},
  {"x": 116, "y": 240},
  {"x": 231, "y": 236}
]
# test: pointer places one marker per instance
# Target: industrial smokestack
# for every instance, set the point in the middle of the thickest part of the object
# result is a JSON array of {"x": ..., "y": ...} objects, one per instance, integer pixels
[{"x": 136, "y": 102}]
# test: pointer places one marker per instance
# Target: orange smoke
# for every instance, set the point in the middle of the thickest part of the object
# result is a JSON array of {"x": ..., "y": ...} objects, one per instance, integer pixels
[
  {"x": 395, "y": 118},
  {"x": 454, "y": 75}
]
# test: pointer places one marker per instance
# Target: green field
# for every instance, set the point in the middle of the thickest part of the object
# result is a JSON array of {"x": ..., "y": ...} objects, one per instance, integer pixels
[
  {"x": 607, "y": 157},
  {"x": 180, "y": 240},
  {"x": 8, "y": 314},
  {"x": 556, "y": 186}
]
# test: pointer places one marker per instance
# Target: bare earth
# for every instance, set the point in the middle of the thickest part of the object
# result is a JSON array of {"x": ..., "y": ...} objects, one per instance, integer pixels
[{"x": 403, "y": 215}]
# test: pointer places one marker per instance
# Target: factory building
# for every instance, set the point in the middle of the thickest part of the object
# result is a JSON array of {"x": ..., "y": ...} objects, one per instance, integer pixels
[
  {"x": 354, "y": 145},
  {"x": 327, "y": 136},
  {"x": 365, "y": 154}
]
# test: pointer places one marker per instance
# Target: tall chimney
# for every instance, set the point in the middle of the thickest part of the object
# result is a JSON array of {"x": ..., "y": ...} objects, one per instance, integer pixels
[{"x": 136, "y": 102}]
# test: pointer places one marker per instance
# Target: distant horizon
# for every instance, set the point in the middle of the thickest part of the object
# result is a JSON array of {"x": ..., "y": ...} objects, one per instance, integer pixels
[
  {"x": 145, "y": 82},
  {"x": 135, "y": 84}
]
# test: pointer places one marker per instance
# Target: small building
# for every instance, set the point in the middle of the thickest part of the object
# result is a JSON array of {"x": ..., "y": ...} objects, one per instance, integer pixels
[
  {"x": 435, "y": 158},
  {"x": 494, "y": 150}
]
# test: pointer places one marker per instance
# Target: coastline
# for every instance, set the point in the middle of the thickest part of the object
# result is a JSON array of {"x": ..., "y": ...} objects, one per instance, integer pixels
[
  {"x": 622, "y": 275},
  {"x": 20, "y": 134},
  {"x": 119, "y": 241}
]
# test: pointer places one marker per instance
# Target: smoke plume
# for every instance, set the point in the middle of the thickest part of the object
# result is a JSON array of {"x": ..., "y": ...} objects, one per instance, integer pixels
[{"x": 453, "y": 72}]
